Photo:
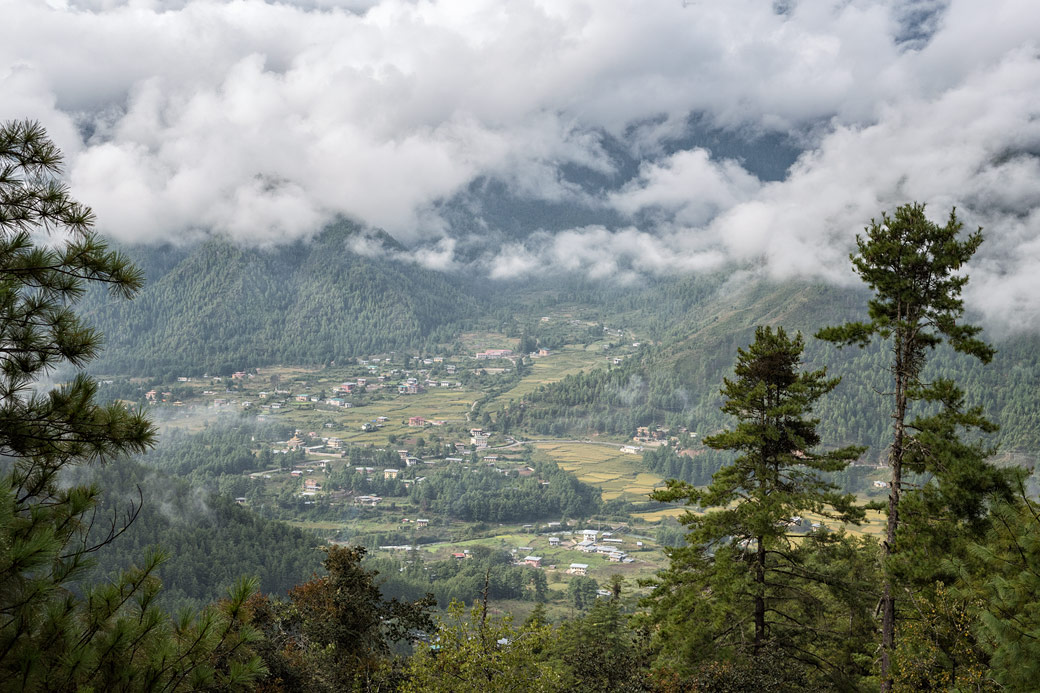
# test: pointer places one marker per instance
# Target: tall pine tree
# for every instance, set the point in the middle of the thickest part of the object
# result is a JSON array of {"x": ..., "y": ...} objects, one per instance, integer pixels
[
  {"x": 913, "y": 266},
  {"x": 744, "y": 574}
]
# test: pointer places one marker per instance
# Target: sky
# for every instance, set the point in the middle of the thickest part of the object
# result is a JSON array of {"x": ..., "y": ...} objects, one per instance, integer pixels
[{"x": 263, "y": 121}]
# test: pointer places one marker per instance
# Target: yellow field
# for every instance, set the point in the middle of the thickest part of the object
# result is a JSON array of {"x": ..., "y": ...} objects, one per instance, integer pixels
[
  {"x": 658, "y": 515},
  {"x": 618, "y": 474},
  {"x": 873, "y": 525}
]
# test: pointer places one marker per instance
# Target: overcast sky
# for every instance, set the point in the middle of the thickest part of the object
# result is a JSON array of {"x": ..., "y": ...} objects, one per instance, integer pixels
[{"x": 263, "y": 121}]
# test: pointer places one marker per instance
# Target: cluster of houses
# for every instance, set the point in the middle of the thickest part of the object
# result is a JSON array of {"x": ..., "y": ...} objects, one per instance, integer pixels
[
  {"x": 606, "y": 545},
  {"x": 646, "y": 434}
]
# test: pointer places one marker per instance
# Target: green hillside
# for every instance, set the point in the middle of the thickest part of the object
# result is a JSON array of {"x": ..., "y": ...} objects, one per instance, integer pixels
[
  {"x": 675, "y": 381},
  {"x": 219, "y": 308}
]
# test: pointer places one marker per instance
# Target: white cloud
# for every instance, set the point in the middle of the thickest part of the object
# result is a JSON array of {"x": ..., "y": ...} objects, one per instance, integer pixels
[{"x": 264, "y": 120}]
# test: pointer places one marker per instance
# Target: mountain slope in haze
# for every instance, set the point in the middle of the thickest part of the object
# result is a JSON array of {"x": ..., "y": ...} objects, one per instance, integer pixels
[
  {"x": 220, "y": 307},
  {"x": 210, "y": 540}
]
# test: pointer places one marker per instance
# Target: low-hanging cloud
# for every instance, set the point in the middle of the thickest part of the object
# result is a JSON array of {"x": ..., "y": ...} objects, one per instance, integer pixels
[{"x": 263, "y": 121}]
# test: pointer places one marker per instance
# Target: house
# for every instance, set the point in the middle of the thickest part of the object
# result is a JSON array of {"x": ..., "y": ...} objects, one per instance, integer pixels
[
  {"x": 479, "y": 438},
  {"x": 458, "y": 555},
  {"x": 367, "y": 500},
  {"x": 589, "y": 534},
  {"x": 422, "y": 522},
  {"x": 533, "y": 561},
  {"x": 311, "y": 485},
  {"x": 416, "y": 422},
  {"x": 494, "y": 354},
  {"x": 578, "y": 569},
  {"x": 391, "y": 473},
  {"x": 554, "y": 541}
]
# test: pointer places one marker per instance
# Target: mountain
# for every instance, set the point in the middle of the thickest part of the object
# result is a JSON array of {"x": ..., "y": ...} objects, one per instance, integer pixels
[
  {"x": 698, "y": 323},
  {"x": 219, "y": 307}
]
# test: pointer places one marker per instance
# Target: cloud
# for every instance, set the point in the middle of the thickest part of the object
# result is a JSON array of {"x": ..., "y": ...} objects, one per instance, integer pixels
[{"x": 263, "y": 121}]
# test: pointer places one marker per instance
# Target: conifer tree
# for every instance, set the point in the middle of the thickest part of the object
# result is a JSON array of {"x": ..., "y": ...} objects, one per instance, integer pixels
[
  {"x": 57, "y": 631},
  {"x": 913, "y": 266},
  {"x": 742, "y": 574}
]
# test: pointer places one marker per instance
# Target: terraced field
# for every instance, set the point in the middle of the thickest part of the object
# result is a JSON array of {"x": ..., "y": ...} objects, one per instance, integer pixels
[
  {"x": 619, "y": 474},
  {"x": 555, "y": 367}
]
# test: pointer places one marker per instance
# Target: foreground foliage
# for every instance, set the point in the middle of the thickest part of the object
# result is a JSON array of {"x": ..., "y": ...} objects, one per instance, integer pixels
[{"x": 56, "y": 632}]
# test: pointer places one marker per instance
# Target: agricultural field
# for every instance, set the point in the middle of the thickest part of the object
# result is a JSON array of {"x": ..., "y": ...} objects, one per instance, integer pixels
[
  {"x": 619, "y": 474},
  {"x": 556, "y": 366}
]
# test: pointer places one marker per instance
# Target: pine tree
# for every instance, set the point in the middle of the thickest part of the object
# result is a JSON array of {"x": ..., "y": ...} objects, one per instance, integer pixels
[
  {"x": 913, "y": 267},
  {"x": 58, "y": 632},
  {"x": 742, "y": 573}
]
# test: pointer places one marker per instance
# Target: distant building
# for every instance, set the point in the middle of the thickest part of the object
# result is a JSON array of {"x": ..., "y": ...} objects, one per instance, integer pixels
[
  {"x": 494, "y": 354},
  {"x": 578, "y": 569},
  {"x": 479, "y": 438}
]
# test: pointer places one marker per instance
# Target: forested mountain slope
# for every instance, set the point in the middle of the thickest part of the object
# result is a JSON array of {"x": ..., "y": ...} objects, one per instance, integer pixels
[
  {"x": 675, "y": 382},
  {"x": 220, "y": 307},
  {"x": 212, "y": 541}
]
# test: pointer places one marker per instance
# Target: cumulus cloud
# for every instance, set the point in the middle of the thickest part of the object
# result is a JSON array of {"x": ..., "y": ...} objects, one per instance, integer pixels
[{"x": 262, "y": 121}]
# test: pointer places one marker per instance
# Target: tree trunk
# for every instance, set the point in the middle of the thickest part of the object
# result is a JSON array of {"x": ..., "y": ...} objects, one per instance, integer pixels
[
  {"x": 760, "y": 596},
  {"x": 895, "y": 457}
]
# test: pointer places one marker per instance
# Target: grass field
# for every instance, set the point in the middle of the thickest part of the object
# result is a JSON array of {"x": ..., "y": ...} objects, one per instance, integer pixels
[{"x": 553, "y": 368}]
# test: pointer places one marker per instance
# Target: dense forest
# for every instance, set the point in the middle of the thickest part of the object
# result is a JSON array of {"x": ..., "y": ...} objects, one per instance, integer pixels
[
  {"x": 214, "y": 540},
  {"x": 219, "y": 308},
  {"x": 489, "y": 496}
]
